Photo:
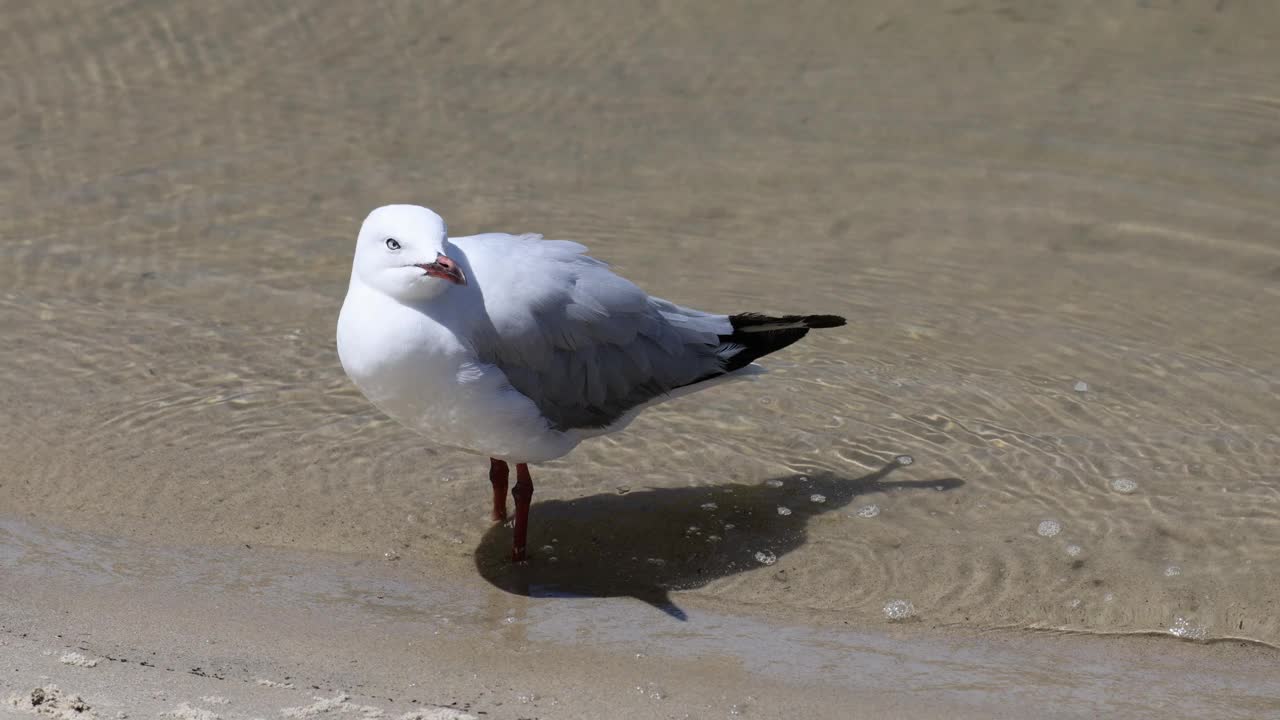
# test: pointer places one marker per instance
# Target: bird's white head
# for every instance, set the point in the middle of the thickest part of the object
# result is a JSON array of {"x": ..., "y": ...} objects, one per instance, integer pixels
[{"x": 403, "y": 251}]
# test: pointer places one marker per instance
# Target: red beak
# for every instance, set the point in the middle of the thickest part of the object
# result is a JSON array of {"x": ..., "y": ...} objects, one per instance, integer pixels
[{"x": 446, "y": 269}]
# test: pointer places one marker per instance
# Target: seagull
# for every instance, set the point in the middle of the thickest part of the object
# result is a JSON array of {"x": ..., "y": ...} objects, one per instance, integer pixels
[{"x": 519, "y": 348}]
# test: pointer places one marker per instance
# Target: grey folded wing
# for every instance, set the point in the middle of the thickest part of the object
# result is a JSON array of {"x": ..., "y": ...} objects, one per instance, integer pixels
[{"x": 584, "y": 344}]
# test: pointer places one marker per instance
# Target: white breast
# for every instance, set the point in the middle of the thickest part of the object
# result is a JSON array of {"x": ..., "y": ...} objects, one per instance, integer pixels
[{"x": 421, "y": 374}]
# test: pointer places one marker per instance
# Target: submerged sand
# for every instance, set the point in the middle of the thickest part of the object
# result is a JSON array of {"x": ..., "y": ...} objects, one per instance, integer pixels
[{"x": 1052, "y": 226}]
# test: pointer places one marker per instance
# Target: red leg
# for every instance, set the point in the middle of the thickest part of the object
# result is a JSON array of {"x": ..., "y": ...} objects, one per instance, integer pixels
[
  {"x": 498, "y": 473},
  {"x": 523, "y": 494}
]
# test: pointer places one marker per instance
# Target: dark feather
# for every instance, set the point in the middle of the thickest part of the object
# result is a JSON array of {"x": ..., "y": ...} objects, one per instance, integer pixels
[{"x": 758, "y": 335}]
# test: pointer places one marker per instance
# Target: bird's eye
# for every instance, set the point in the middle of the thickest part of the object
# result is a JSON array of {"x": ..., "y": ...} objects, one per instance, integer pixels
[{"x": 392, "y": 244}]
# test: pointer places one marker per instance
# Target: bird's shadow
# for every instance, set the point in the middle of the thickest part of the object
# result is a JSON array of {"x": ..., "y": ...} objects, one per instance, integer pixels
[{"x": 647, "y": 543}]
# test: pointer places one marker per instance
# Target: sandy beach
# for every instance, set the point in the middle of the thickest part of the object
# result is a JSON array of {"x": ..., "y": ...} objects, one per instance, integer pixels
[{"x": 1052, "y": 227}]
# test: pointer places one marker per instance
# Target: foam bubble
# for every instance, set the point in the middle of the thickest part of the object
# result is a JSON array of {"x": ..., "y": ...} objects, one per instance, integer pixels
[
  {"x": 784, "y": 510},
  {"x": 709, "y": 506},
  {"x": 765, "y": 557},
  {"x": 818, "y": 498},
  {"x": 1183, "y": 628},
  {"x": 868, "y": 511},
  {"x": 1124, "y": 485},
  {"x": 1081, "y": 386},
  {"x": 899, "y": 609},
  {"x": 652, "y": 691},
  {"x": 1074, "y": 550},
  {"x": 1048, "y": 528},
  {"x": 904, "y": 459},
  {"x": 75, "y": 658},
  {"x": 774, "y": 482},
  {"x": 1172, "y": 571}
]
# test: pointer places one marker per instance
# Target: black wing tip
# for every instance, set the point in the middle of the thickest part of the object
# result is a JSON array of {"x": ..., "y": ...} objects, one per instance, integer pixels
[
  {"x": 823, "y": 321},
  {"x": 744, "y": 321}
]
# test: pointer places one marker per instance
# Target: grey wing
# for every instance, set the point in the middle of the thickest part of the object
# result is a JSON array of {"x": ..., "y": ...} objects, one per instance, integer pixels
[{"x": 584, "y": 344}]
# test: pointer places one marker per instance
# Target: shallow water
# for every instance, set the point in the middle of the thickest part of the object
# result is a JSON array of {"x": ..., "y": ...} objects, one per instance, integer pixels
[{"x": 1053, "y": 229}]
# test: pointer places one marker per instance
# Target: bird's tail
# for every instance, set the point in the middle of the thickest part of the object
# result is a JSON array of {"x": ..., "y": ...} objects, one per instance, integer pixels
[{"x": 755, "y": 335}]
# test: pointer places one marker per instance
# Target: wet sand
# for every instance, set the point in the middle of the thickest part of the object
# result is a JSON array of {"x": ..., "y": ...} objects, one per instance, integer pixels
[
  {"x": 135, "y": 628},
  {"x": 1052, "y": 227}
]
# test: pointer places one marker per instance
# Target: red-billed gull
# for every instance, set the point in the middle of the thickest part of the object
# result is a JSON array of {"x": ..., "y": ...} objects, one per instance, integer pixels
[{"x": 519, "y": 348}]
